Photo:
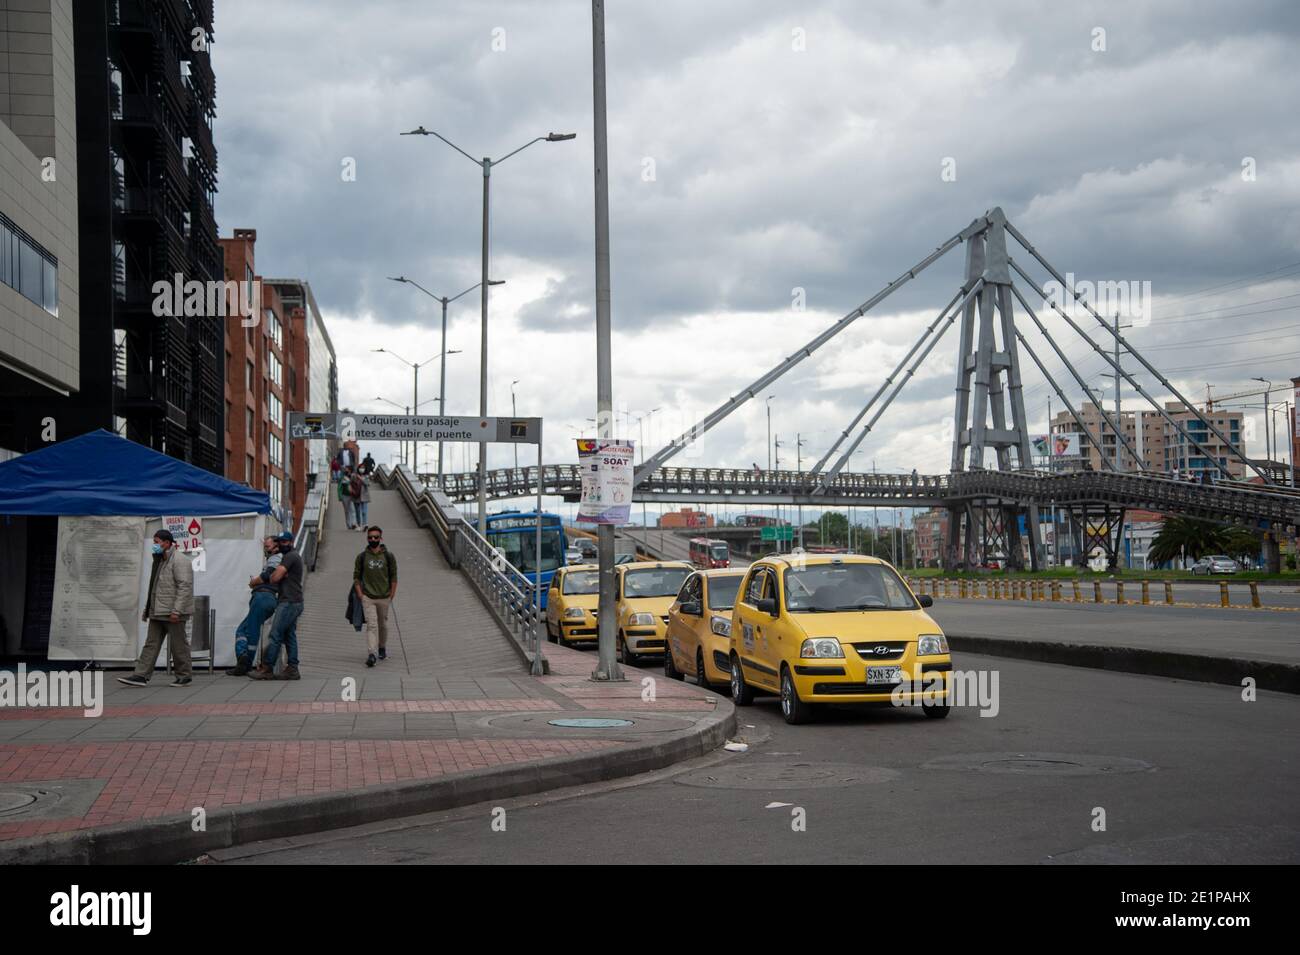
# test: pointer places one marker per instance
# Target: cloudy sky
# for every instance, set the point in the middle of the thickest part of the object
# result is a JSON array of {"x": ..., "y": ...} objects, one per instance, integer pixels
[{"x": 758, "y": 149}]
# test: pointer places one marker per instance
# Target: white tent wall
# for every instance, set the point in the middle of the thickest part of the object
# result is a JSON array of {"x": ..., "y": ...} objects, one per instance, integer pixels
[{"x": 232, "y": 548}]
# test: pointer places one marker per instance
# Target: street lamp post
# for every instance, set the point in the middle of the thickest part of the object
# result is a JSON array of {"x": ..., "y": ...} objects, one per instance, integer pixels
[
  {"x": 406, "y": 409},
  {"x": 486, "y": 164},
  {"x": 1268, "y": 443},
  {"x": 415, "y": 402}
]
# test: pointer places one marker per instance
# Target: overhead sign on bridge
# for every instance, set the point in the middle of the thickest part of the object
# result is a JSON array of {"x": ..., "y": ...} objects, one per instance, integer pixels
[{"x": 390, "y": 427}]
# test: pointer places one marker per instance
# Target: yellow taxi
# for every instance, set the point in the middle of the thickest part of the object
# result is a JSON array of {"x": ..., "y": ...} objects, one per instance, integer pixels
[
  {"x": 835, "y": 628},
  {"x": 699, "y": 627},
  {"x": 644, "y": 591},
  {"x": 571, "y": 604}
]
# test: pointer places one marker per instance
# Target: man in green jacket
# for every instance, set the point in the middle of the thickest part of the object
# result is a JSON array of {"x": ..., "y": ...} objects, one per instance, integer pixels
[
  {"x": 169, "y": 605},
  {"x": 374, "y": 575}
]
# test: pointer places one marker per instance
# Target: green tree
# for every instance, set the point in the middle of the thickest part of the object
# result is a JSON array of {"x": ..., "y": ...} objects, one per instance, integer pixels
[{"x": 1187, "y": 537}]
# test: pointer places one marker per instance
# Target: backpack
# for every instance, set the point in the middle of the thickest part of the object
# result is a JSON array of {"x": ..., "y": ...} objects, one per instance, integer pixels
[{"x": 354, "y": 488}]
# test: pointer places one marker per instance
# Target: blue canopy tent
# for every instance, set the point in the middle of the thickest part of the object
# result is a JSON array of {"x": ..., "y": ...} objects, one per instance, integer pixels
[{"x": 102, "y": 474}]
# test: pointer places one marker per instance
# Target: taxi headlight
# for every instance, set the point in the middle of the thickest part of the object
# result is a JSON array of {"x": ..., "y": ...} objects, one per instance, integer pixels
[
  {"x": 821, "y": 647},
  {"x": 576, "y": 612},
  {"x": 931, "y": 644},
  {"x": 641, "y": 620},
  {"x": 721, "y": 626}
]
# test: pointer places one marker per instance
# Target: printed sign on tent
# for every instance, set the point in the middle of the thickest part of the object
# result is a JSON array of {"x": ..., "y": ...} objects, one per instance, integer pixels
[{"x": 187, "y": 532}]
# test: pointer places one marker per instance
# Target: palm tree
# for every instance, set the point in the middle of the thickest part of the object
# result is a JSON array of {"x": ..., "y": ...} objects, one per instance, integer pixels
[{"x": 1181, "y": 537}]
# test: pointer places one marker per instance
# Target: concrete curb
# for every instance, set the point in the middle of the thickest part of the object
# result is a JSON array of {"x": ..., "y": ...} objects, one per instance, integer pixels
[
  {"x": 1201, "y": 668},
  {"x": 170, "y": 839}
]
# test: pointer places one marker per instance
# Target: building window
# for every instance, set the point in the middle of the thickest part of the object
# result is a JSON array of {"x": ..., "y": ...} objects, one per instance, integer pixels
[
  {"x": 276, "y": 411},
  {"x": 248, "y": 412},
  {"x": 277, "y": 452},
  {"x": 27, "y": 268},
  {"x": 276, "y": 375},
  {"x": 248, "y": 376},
  {"x": 248, "y": 470},
  {"x": 275, "y": 489}
]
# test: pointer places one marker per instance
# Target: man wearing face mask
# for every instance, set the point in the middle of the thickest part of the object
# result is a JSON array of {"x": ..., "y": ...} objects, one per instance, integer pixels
[
  {"x": 169, "y": 604},
  {"x": 284, "y": 623},
  {"x": 374, "y": 575}
]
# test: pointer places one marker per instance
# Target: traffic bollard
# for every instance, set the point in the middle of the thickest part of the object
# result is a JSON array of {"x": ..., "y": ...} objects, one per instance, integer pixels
[
  {"x": 989, "y": 587},
  {"x": 946, "y": 582},
  {"x": 1169, "y": 592},
  {"x": 1223, "y": 593},
  {"x": 1146, "y": 592},
  {"x": 961, "y": 588},
  {"x": 1254, "y": 594},
  {"x": 1056, "y": 591},
  {"x": 1119, "y": 592},
  {"x": 1096, "y": 592},
  {"x": 1078, "y": 597}
]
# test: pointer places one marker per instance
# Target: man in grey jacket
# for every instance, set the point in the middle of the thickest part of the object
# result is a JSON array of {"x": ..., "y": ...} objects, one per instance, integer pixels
[{"x": 169, "y": 605}]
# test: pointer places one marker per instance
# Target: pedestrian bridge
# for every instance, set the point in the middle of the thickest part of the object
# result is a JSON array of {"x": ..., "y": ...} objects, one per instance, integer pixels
[{"x": 1238, "y": 502}]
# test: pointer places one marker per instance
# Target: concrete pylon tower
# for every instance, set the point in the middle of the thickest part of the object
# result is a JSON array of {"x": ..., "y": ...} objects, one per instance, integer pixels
[{"x": 988, "y": 385}]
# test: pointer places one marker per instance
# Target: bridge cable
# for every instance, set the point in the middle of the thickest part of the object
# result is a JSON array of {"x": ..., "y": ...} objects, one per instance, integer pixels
[
  {"x": 735, "y": 401},
  {"x": 1096, "y": 442},
  {"x": 1127, "y": 377},
  {"x": 1119, "y": 433},
  {"x": 848, "y": 452},
  {"x": 887, "y": 382},
  {"x": 1114, "y": 333}
]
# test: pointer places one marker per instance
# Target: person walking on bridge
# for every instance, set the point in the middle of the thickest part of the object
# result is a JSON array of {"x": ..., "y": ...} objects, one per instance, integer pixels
[{"x": 374, "y": 575}]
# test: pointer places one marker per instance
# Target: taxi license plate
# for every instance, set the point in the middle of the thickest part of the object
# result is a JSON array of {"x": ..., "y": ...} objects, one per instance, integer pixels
[{"x": 884, "y": 674}]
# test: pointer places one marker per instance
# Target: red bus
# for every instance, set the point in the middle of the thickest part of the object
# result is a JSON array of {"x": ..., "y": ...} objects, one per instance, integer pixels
[{"x": 707, "y": 553}]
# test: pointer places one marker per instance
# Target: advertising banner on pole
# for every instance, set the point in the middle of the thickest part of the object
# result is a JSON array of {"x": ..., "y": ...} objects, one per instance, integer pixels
[{"x": 606, "y": 467}]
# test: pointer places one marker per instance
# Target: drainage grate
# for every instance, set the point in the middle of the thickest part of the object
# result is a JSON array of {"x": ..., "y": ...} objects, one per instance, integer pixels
[{"x": 62, "y": 799}]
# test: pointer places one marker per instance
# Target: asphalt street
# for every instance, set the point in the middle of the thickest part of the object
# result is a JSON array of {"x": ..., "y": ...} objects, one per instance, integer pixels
[{"x": 1077, "y": 766}]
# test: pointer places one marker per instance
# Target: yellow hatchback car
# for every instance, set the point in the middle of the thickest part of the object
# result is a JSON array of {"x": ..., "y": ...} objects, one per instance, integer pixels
[
  {"x": 571, "y": 604},
  {"x": 835, "y": 628},
  {"x": 699, "y": 627},
  {"x": 645, "y": 590}
]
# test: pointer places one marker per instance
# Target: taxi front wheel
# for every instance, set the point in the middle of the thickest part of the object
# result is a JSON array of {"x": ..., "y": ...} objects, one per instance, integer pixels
[
  {"x": 794, "y": 710},
  {"x": 936, "y": 712},
  {"x": 742, "y": 694}
]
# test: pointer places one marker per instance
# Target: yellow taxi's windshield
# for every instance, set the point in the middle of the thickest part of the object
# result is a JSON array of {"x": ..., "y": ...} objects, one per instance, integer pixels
[
  {"x": 829, "y": 588},
  {"x": 582, "y": 582},
  {"x": 654, "y": 581}
]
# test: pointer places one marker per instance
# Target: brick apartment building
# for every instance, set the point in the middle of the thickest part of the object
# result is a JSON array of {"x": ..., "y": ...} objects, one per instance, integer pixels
[
  {"x": 931, "y": 530},
  {"x": 686, "y": 517},
  {"x": 266, "y": 374},
  {"x": 1161, "y": 449}
]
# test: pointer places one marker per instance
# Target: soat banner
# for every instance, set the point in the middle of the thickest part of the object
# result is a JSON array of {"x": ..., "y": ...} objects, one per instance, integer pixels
[{"x": 607, "y": 476}]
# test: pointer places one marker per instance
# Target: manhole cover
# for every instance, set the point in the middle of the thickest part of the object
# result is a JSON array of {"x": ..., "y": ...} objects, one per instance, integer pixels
[
  {"x": 1039, "y": 764},
  {"x": 762, "y": 776},
  {"x": 12, "y": 802},
  {"x": 589, "y": 723}
]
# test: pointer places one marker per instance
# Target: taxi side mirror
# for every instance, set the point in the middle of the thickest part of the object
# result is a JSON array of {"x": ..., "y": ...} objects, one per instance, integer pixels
[
  {"x": 767, "y": 606},
  {"x": 926, "y": 600},
  {"x": 693, "y": 608}
]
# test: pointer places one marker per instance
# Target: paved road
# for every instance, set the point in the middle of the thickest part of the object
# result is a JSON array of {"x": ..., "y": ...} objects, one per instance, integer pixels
[
  {"x": 1184, "y": 773},
  {"x": 1250, "y": 634}
]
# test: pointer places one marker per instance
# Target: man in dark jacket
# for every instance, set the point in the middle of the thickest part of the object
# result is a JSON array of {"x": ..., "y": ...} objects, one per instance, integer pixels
[
  {"x": 374, "y": 576},
  {"x": 169, "y": 604},
  {"x": 261, "y": 604}
]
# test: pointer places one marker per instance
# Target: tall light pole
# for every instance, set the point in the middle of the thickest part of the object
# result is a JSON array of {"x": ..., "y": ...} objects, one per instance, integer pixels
[
  {"x": 769, "y": 431},
  {"x": 406, "y": 409},
  {"x": 515, "y": 414},
  {"x": 415, "y": 401},
  {"x": 442, "y": 375},
  {"x": 486, "y": 164},
  {"x": 798, "y": 457},
  {"x": 607, "y": 667},
  {"x": 1268, "y": 443}
]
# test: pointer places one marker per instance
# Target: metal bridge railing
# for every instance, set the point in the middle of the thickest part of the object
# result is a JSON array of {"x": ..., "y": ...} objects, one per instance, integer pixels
[
  {"x": 505, "y": 590},
  {"x": 311, "y": 527}
]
